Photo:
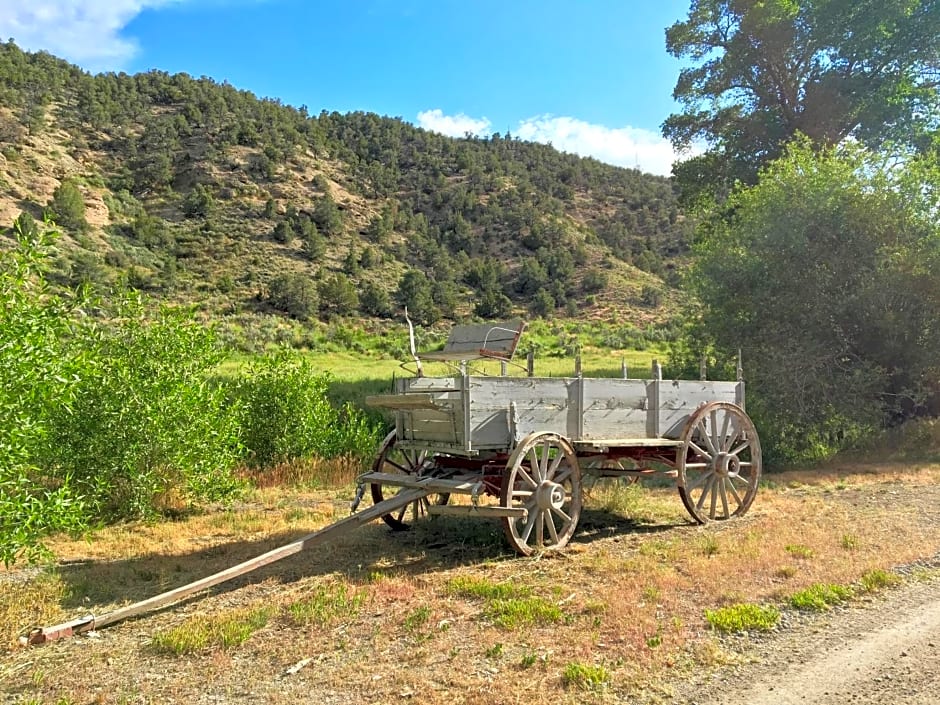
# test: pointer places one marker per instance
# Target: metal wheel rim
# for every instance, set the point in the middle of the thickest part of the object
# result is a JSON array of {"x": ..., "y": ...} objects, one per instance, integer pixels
[
  {"x": 410, "y": 462},
  {"x": 719, "y": 463},
  {"x": 543, "y": 476}
]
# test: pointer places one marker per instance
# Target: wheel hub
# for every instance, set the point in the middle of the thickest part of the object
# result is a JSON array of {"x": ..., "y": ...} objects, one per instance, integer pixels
[
  {"x": 549, "y": 495},
  {"x": 726, "y": 465}
]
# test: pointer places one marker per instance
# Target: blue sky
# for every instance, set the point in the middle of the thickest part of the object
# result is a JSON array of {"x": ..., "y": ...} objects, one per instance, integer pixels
[{"x": 590, "y": 76}]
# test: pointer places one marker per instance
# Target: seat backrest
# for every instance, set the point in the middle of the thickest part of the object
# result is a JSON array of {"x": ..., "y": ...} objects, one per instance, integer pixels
[{"x": 483, "y": 340}]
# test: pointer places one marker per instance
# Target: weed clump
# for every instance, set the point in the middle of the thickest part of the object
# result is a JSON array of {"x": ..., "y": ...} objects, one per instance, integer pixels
[
  {"x": 820, "y": 597},
  {"x": 743, "y": 617}
]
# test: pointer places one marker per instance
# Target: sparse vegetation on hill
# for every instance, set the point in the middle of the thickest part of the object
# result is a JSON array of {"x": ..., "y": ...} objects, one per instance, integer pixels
[{"x": 192, "y": 190}]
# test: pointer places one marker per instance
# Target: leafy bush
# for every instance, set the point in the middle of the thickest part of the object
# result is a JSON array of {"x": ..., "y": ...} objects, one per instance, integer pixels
[
  {"x": 286, "y": 414},
  {"x": 37, "y": 381},
  {"x": 145, "y": 426}
]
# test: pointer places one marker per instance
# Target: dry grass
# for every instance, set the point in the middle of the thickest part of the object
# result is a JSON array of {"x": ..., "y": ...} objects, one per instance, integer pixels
[{"x": 444, "y": 614}]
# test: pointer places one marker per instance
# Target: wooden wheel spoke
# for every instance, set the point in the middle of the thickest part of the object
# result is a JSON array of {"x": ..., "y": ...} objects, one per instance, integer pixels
[
  {"x": 402, "y": 468},
  {"x": 712, "y": 450},
  {"x": 724, "y": 496},
  {"x": 705, "y": 491},
  {"x": 540, "y": 528},
  {"x": 529, "y": 525},
  {"x": 715, "y": 441},
  {"x": 550, "y": 525},
  {"x": 697, "y": 466},
  {"x": 734, "y": 493},
  {"x": 714, "y": 498},
  {"x": 737, "y": 450},
  {"x": 522, "y": 493},
  {"x": 525, "y": 476},
  {"x": 702, "y": 453},
  {"x": 723, "y": 440},
  {"x": 564, "y": 517},
  {"x": 561, "y": 477},
  {"x": 534, "y": 464},
  {"x": 556, "y": 461},
  {"x": 704, "y": 477},
  {"x": 546, "y": 454}
]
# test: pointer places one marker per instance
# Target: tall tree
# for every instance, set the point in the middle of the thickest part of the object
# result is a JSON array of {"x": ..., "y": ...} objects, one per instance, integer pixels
[
  {"x": 827, "y": 276},
  {"x": 763, "y": 70}
]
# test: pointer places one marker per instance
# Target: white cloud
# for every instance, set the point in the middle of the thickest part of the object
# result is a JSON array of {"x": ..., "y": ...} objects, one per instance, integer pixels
[
  {"x": 629, "y": 147},
  {"x": 452, "y": 125},
  {"x": 625, "y": 146},
  {"x": 87, "y": 32}
]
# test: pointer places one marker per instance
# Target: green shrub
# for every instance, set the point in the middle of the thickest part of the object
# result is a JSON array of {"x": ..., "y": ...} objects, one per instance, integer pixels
[
  {"x": 37, "y": 381},
  {"x": 286, "y": 414},
  {"x": 145, "y": 425}
]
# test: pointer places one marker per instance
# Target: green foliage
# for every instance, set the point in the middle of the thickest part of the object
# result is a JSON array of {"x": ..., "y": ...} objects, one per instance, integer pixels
[
  {"x": 763, "y": 72},
  {"x": 827, "y": 277},
  {"x": 327, "y": 216},
  {"x": 374, "y": 300},
  {"x": 295, "y": 295},
  {"x": 414, "y": 293},
  {"x": 337, "y": 295},
  {"x": 326, "y": 605},
  {"x": 286, "y": 414},
  {"x": 100, "y": 421},
  {"x": 586, "y": 676},
  {"x": 878, "y": 579},
  {"x": 594, "y": 280},
  {"x": 514, "y": 612},
  {"x": 199, "y": 633},
  {"x": 145, "y": 427},
  {"x": 199, "y": 203},
  {"x": 67, "y": 207},
  {"x": 37, "y": 383},
  {"x": 743, "y": 617},
  {"x": 820, "y": 597},
  {"x": 467, "y": 586}
]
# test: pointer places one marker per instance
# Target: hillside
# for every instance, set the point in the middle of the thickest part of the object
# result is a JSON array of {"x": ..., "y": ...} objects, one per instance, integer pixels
[{"x": 194, "y": 191}]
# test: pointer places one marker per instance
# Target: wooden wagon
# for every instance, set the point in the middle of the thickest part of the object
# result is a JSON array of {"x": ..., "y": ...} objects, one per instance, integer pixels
[{"x": 519, "y": 446}]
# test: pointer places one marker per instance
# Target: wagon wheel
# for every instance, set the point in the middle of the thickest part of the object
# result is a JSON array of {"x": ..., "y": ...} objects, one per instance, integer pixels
[
  {"x": 401, "y": 461},
  {"x": 719, "y": 462},
  {"x": 543, "y": 476}
]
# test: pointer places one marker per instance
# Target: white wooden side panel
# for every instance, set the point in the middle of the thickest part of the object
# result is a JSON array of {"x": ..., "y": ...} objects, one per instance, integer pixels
[
  {"x": 614, "y": 408},
  {"x": 679, "y": 398},
  {"x": 541, "y": 404}
]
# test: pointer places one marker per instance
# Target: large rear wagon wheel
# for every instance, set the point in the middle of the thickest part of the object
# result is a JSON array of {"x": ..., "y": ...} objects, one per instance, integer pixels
[
  {"x": 401, "y": 461},
  {"x": 543, "y": 476},
  {"x": 719, "y": 463}
]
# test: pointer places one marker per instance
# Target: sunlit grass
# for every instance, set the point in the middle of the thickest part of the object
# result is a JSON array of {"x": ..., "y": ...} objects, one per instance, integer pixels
[{"x": 743, "y": 617}]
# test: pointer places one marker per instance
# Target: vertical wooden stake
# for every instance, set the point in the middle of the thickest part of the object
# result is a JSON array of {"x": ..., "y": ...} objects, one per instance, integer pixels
[
  {"x": 530, "y": 363},
  {"x": 577, "y": 365},
  {"x": 623, "y": 367}
]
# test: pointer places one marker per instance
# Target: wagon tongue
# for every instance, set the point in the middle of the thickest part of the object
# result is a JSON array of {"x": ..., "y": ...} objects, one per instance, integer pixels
[{"x": 41, "y": 635}]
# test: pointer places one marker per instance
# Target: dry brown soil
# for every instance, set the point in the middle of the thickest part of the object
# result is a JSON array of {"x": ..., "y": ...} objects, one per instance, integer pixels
[{"x": 632, "y": 588}]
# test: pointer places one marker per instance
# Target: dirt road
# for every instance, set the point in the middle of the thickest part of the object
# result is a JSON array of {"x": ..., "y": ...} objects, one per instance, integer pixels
[{"x": 884, "y": 651}]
